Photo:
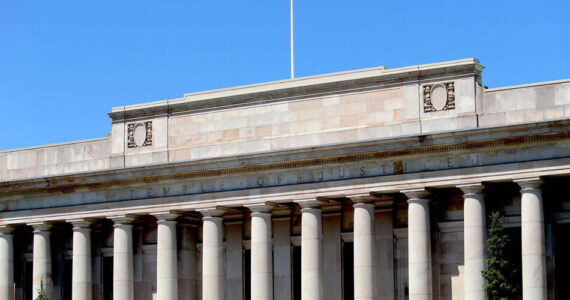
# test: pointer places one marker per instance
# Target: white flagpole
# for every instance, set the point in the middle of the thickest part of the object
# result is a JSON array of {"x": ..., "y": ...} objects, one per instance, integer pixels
[{"x": 292, "y": 45}]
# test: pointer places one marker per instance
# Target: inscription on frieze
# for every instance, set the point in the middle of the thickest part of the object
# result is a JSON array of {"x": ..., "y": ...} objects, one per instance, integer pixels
[
  {"x": 293, "y": 177},
  {"x": 139, "y": 134},
  {"x": 439, "y": 97}
]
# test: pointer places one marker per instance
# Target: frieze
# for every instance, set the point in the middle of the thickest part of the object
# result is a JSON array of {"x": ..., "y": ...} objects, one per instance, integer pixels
[
  {"x": 439, "y": 96},
  {"x": 376, "y": 164}
]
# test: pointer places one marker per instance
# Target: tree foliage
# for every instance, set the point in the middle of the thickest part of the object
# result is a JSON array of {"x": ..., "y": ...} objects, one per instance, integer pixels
[
  {"x": 42, "y": 294},
  {"x": 500, "y": 272}
]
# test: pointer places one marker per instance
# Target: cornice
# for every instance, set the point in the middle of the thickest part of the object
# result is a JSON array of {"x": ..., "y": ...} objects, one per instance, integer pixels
[{"x": 177, "y": 172}]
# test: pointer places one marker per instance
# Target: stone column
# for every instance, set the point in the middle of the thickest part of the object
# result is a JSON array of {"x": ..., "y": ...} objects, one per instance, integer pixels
[
  {"x": 261, "y": 253},
  {"x": 123, "y": 285},
  {"x": 533, "y": 240},
  {"x": 42, "y": 260},
  {"x": 187, "y": 261},
  {"x": 419, "y": 246},
  {"x": 81, "y": 270},
  {"x": 475, "y": 235},
  {"x": 6, "y": 263},
  {"x": 311, "y": 251},
  {"x": 166, "y": 260},
  {"x": 364, "y": 263},
  {"x": 213, "y": 284}
]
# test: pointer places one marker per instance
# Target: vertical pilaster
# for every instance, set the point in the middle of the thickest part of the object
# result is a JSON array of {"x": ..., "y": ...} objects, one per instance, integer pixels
[
  {"x": 123, "y": 285},
  {"x": 42, "y": 260},
  {"x": 213, "y": 280},
  {"x": 533, "y": 240},
  {"x": 475, "y": 234},
  {"x": 187, "y": 261},
  {"x": 419, "y": 245},
  {"x": 81, "y": 264},
  {"x": 261, "y": 253},
  {"x": 166, "y": 259},
  {"x": 364, "y": 262},
  {"x": 311, "y": 251},
  {"x": 6, "y": 263}
]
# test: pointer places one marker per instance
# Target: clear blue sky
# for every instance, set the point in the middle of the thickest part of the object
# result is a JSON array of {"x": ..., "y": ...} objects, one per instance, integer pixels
[{"x": 65, "y": 64}]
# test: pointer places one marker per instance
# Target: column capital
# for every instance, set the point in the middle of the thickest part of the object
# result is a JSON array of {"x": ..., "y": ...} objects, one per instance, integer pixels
[
  {"x": 312, "y": 203},
  {"x": 165, "y": 216},
  {"x": 471, "y": 189},
  {"x": 212, "y": 212},
  {"x": 528, "y": 184},
  {"x": 6, "y": 229},
  {"x": 80, "y": 223},
  {"x": 416, "y": 195},
  {"x": 265, "y": 207},
  {"x": 121, "y": 219},
  {"x": 362, "y": 198},
  {"x": 40, "y": 226}
]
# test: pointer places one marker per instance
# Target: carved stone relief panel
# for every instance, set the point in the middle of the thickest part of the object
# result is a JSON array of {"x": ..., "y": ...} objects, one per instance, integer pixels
[
  {"x": 439, "y": 96},
  {"x": 139, "y": 134}
]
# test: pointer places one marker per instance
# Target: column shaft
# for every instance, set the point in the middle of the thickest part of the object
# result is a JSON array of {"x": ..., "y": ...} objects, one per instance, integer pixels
[
  {"x": 81, "y": 270},
  {"x": 533, "y": 241},
  {"x": 213, "y": 259},
  {"x": 419, "y": 247},
  {"x": 262, "y": 256},
  {"x": 6, "y": 263},
  {"x": 364, "y": 263},
  {"x": 311, "y": 254},
  {"x": 123, "y": 285},
  {"x": 42, "y": 261},
  {"x": 475, "y": 235},
  {"x": 167, "y": 262}
]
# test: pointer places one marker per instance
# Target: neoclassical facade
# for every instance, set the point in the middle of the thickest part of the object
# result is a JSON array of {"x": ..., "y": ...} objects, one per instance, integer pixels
[{"x": 367, "y": 184}]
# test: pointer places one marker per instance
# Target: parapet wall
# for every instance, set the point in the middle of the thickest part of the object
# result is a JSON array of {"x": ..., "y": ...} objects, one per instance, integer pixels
[{"x": 341, "y": 108}]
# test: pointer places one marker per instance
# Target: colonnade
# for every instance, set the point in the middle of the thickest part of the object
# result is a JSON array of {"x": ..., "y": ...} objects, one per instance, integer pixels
[{"x": 213, "y": 279}]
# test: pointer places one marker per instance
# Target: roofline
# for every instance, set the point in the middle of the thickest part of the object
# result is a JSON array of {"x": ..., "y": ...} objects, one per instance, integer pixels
[
  {"x": 281, "y": 86},
  {"x": 526, "y": 85},
  {"x": 53, "y": 145}
]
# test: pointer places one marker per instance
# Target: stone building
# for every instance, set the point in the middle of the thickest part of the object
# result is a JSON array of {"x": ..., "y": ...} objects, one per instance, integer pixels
[{"x": 367, "y": 184}]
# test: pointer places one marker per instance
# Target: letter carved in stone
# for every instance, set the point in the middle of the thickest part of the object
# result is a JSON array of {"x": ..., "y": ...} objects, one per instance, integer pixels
[
  {"x": 139, "y": 134},
  {"x": 439, "y": 96}
]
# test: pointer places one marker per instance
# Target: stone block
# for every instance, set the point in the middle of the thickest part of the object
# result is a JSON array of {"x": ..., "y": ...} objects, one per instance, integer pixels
[
  {"x": 554, "y": 113},
  {"x": 465, "y": 95},
  {"x": 438, "y": 125},
  {"x": 491, "y": 120},
  {"x": 467, "y": 121},
  {"x": 534, "y": 115},
  {"x": 562, "y": 94},
  {"x": 515, "y": 116}
]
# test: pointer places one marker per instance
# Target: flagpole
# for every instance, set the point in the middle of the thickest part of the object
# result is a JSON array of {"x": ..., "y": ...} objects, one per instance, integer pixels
[{"x": 292, "y": 45}]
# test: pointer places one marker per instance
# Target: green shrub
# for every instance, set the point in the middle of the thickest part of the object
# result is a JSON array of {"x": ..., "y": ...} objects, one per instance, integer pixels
[
  {"x": 42, "y": 294},
  {"x": 499, "y": 272}
]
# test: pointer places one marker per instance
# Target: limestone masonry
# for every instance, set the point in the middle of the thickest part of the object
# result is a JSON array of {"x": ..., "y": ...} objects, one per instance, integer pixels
[{"x": 366, "y": 184}]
